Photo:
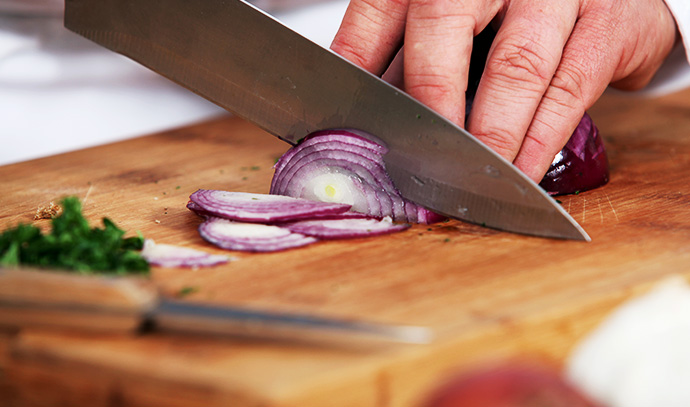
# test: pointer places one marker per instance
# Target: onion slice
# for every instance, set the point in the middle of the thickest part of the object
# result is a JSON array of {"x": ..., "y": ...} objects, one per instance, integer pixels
[
  {"x": 253, "y": 237},
  {"x": 263, "y": 208},
  {"x": 165, "y": 255},
  {"x": 341, "y": 166},
  {"x": 346, "y": 228}
]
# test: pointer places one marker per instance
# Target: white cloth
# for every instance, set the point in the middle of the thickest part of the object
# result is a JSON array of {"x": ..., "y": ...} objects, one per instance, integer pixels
[
  {"x": 675, "y": 73},
  {"x": 60, "y": 92},
  {"x": 681, "y": 12}
]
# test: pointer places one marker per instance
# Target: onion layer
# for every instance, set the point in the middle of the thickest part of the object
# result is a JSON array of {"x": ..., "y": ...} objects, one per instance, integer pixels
[
  {"x": 346, "y": 228},
  {"x": 261, "y": 208},
  {"x": 165, "y": 255},
  {"x": 340, "y": 166}
]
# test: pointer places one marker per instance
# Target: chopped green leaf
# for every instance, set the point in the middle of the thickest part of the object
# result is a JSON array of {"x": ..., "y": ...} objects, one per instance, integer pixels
[
  {"x": 185, "y": 291},
  {"x": 72, "y": 244}
]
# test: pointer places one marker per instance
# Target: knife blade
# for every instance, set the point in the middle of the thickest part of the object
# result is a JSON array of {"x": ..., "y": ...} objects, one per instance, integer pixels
[
  {"x": 247, "y": 62},
  {"x": 54, "y": 299}
]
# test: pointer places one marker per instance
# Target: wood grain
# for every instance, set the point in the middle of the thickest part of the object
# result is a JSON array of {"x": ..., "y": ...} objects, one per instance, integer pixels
[{"x": 487, "y": 294}]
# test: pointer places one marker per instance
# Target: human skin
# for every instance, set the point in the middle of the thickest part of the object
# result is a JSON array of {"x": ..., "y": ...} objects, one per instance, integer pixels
[{"x": 550, "y": 61}]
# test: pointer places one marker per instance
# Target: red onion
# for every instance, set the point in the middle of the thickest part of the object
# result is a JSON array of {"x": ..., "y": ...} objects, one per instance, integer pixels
[
  {"x": 284, "y": 222},
  {"x": 581, "y": 165},
  {"x": 344, "y": 167},
  {"x": 166, "y": 255},
  {"x": 346, "y": 228},
  {"x": 254, "y": 237}
]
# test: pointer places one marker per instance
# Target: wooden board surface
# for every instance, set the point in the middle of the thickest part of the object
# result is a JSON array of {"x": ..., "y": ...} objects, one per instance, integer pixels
[{"x": 487, "y": 294}]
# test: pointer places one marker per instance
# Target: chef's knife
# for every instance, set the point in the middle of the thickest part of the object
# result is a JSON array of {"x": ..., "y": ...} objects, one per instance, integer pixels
[
  {"x": 247, "y": 62},
  {"x": 52, "y": 299}
]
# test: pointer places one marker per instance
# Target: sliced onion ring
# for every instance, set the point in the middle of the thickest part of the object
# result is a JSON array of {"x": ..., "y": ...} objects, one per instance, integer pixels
[
  {"x": 345, "y": 167},
  {"x": 165, "y": 255},
  {"x": 263, "y": 208},
  {"x": 253, "y": 237},
  {"x": 346, "y": 228}
]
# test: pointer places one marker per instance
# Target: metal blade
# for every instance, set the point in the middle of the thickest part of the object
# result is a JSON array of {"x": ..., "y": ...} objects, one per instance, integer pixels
[
  {"x": 240, "y": 58},
  {"x": 188, "y": 317}
]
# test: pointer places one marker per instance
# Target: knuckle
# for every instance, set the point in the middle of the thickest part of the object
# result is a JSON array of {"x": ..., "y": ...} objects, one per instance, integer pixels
[
  {"x": 501, "y": 141},
  {"x": 432, "y": 86},
  {"x": 521, "y": 60},
  {"x": 349, "y": 47},
  {"x": 569, "y": 80}
]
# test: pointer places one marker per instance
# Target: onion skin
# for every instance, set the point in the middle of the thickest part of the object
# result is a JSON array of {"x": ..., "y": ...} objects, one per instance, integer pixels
[{"x": 581, "y": 165}]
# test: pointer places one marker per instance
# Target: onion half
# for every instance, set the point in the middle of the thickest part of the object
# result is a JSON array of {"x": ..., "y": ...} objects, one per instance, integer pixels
[
  {"x": 340, "y": 166},
  {"x": 581, "y": 165}
]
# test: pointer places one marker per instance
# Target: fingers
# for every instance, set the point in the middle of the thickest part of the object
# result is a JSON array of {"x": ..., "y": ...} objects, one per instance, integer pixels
[
  {"x": 438, "y": 39},
  {"x": 586, "y": 68},
  {"x": 525, "y": 55},
  {"x": 371, "y": 33}
]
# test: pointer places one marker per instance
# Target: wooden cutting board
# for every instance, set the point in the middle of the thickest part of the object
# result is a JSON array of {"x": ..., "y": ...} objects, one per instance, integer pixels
[{"x": 487, "y": 294}]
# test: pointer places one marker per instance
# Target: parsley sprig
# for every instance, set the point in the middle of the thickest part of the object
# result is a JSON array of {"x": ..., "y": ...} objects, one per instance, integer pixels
[{"x": 72, "y": 244}]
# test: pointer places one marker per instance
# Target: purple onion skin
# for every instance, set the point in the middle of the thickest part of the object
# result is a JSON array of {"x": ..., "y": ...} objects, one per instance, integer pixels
[{"x": 581, "y": 165}]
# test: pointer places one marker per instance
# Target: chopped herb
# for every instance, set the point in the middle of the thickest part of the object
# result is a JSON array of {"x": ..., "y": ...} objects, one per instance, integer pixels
[
  {"x": 72, "y": 244},
  {"x": 185, "y": 291},
  {"x": 254, "y": 168},
  {"x": 559, "y": 201},
  {"x": 446, "y": 240},
  {"x": 178, "y": 187}
]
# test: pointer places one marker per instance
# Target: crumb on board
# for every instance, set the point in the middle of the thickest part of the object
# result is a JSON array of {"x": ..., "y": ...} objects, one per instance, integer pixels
[{"x": 48, "y": 212}]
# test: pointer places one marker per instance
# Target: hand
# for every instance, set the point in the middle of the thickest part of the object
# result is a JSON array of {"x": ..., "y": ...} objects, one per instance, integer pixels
[{"x": 550, "y": 61}]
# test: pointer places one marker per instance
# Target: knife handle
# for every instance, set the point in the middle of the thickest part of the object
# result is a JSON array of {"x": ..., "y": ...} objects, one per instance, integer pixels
[{"x": 41, "y": 298}]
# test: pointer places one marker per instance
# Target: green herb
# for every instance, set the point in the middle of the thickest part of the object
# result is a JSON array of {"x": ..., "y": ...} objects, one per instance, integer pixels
[
  {"x": 185, "y": 291},
  {"x": 72, "y": 244},
  {"x": 446, "y": 240}
]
